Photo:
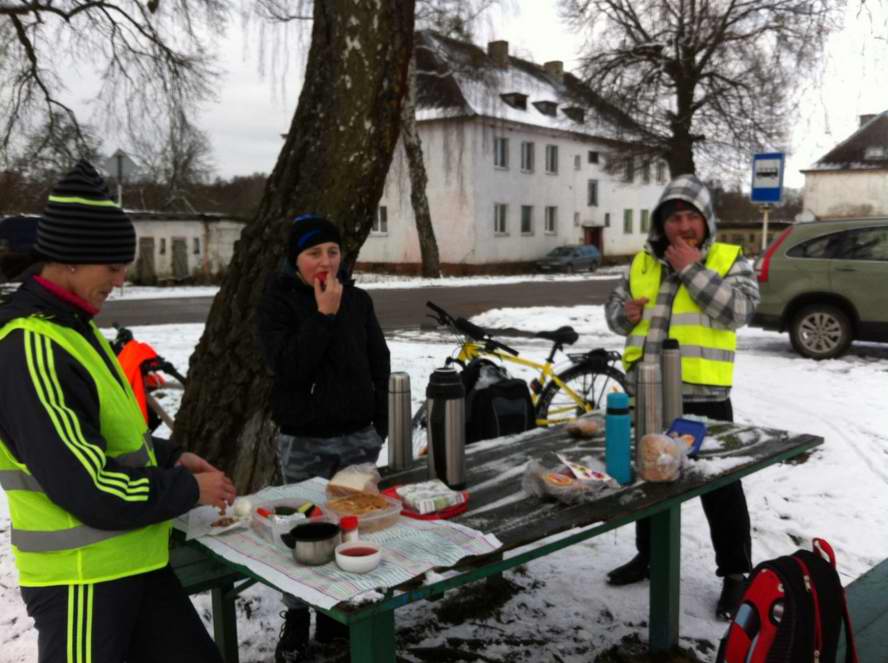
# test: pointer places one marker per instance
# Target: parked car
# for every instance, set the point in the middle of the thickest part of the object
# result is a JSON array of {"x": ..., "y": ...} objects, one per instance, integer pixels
[
  {"x": 571, "y": 258},
  {"x": 826, "y": 282}
]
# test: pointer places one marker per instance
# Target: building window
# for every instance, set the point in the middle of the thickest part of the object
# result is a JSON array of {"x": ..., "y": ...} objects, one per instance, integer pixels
[
  {"x": 645, "y": 221},
  {"x": 551, "y": 220},
  {"x": 661, "y": 172},
  {"x": 593, "y": 156},
  {"x": 381, "y": 222},
  {"x": 551, "y": 158},
  {"x": 527, "y": 220},
  {"x": 196, "y": 245},
  {"x": 578, "y": 162},
  {"x": 501, "y": 152},
  {"x": 527, "y": 157},
  {"x": 629, "y": 172},
  {"x": 163, "y": 246},
  {"x": 500, "y": 218},
  {"x": 592, "y": 193},
  {"x": 646, "y": 172},
  {"x": 627, "y": 221},
  {"x": 607, "y": 219}
]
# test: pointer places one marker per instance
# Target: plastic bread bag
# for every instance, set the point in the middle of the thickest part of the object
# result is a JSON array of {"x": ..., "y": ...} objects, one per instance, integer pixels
[
  {"x": 660, "y": 457},
  {"x": 586, "y": 426},
  {"x": 354, "y": 479}
]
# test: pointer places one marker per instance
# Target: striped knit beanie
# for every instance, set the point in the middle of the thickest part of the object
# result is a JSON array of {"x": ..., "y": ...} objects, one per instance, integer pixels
[
  {"x": 82, "y": 225},
  {"x": 309, "y": 230}
]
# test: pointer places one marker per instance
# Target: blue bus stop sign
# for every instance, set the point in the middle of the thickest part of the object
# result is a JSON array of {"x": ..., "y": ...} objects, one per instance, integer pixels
[{"x": 767, "y": 178}]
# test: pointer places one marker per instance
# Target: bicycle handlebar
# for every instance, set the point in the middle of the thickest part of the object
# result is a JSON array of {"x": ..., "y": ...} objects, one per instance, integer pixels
[{"x": 470, "y": 329}]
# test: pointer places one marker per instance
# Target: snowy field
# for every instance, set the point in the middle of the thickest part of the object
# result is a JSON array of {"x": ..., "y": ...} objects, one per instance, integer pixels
[
  {"x": 559, "y": 608},
  {"x": 372, "y": 281}
]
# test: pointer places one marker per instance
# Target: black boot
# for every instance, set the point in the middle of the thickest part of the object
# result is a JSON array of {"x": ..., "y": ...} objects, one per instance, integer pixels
[
  {"x": 329, "y": 630},
  {"x": 292, "y": 646},
  {"x": 733, "y": 587},
  {"x": 635, "y": 570}
]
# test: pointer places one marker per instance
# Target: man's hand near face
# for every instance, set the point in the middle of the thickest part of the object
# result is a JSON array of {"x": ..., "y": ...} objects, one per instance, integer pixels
[{"x": 680, "y": 254}]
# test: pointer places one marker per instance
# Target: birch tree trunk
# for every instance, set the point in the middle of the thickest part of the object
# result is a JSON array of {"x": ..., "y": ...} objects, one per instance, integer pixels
[
  {"x": 334, "y": 161},
  {"x": 428, "y": 245}
]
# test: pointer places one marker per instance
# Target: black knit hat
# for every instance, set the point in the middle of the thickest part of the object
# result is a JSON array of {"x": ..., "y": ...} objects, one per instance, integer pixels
[
  {"x": 309, "y": 230},
  {"x": 82, "y": 225}
]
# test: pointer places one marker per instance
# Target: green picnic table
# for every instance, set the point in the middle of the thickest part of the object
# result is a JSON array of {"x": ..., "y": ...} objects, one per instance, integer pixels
[{"x": 499, "y": 506}]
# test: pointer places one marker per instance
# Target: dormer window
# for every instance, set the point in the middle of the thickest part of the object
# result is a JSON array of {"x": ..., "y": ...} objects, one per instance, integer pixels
[
  {"x": 546, "y": 107},
  {"x": 874, "y": 153},
  {"x": 515, "y": 100},
  {"x": 575, "y": 113}
]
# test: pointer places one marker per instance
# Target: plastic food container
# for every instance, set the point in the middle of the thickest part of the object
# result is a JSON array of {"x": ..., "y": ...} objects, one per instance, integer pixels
[
  {"x": 269, "y": 519},
  {"x": 368, "y": 521},
  {"x": 358, "y": 556}
]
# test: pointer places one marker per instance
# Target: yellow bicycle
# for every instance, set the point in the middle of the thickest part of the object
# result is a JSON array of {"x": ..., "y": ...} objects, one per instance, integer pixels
[{"x": 558, "y": 397}]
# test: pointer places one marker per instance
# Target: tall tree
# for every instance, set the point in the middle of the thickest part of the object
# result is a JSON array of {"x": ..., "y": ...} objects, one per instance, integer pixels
[
  {"x": 334, "y": 161},
  {"x": 703, "y": 77},
  {"x": 149, "y": 58}
]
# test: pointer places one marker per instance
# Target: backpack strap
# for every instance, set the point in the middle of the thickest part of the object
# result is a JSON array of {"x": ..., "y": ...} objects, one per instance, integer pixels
[{"x": 822, "y": 547}]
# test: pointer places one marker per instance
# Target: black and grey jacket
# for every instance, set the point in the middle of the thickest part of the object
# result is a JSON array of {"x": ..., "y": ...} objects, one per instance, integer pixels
[
  {"x": 730, "y": 301},
  {"x": 330, "y": 371},
  {"x": 27, "y": 429}
]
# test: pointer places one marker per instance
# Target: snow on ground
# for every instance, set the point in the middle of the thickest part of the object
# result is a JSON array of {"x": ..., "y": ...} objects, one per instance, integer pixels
[
  {"x": 559, "y": 607},
  {"x": 373, "y": 281}
]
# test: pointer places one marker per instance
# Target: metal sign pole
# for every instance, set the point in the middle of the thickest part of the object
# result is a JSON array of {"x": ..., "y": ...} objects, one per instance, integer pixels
[{"x": 765, "y": 209}]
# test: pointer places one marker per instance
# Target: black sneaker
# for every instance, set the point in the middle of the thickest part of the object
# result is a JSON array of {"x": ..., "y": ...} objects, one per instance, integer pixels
[
  {"x": 292, "y": 647},
  {"x": 733, "y": 587},
  {"x": 635, "y": 570}
]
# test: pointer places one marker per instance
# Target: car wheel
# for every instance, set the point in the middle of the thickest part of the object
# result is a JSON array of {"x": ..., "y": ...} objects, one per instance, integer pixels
[
  {"x": 820, "y": 332},
  {"x": 569, "y": 268},
  {"x": 593, "y": 266}
]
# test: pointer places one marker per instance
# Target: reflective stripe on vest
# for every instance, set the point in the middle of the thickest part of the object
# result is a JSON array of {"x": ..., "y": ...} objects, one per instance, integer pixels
[
  {"x": 707, "y": 351},
  {"x": 51, "y": 545}
]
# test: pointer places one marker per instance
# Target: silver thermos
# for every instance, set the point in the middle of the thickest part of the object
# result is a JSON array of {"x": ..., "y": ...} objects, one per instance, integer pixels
[
  {"x": 400, "y": 438},
  {"x": 672, "y": 389},
  {"x": 446, "y": 427},
  {"x": 648, "y": 403}
]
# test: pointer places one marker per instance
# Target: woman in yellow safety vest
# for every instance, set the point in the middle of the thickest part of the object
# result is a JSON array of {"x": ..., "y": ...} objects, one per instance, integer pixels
[
  {"x": 90, "y": 493},
  {"x": 686, "y": 286}
]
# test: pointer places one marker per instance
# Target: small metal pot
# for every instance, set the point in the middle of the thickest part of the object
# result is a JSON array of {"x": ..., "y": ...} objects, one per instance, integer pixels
[{"x": 314, "y": 542}]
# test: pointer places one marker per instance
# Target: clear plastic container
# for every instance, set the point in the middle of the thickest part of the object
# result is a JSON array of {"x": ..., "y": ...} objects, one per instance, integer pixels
[
  {"x": 368, "y": 520},
  {"x": 270, "y": 525}
]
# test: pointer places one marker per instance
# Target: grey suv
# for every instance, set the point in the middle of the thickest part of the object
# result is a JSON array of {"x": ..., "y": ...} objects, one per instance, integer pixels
[
  {"x": 573, "y": 258},
  {"x": 827, "y": 283}
]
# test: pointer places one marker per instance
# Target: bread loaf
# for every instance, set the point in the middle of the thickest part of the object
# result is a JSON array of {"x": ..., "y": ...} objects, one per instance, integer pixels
[
  {"x": 660, "y": 458},
  {"x": 350, "y": 480}
]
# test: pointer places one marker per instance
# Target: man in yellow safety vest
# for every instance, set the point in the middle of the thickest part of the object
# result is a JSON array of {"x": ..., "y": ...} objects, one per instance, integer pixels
[
  {"x": 90, "y": 493},
  {"x": 686, "y": 286}
]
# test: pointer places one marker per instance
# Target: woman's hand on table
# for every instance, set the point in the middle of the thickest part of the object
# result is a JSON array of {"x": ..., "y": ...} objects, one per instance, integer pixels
[{"x": 216, "y": 490}]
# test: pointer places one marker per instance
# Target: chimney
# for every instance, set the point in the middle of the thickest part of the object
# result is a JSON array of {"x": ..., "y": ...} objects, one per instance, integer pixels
[
  {"x": 555, "y": 68},
  {"x": 866, "y": 118},
  {"x": 498, "y": 51}
]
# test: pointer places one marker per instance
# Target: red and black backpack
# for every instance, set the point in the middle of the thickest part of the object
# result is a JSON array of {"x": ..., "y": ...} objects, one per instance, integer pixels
[{"x": 792, "y": 612}]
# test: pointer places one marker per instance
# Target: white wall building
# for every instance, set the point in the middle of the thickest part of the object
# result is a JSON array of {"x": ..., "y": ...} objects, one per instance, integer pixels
[
  {"x": 851, "y": 180},
  {"x": 180, "y": 246},
  {"x": 520, "y": 159}
]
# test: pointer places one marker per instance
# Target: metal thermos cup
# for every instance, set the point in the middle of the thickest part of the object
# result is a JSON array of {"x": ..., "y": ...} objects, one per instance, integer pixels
[
  {"x": 672, "y": 390},
  {"x": 446, "y": 427},
  {"x": 400, "y": 438},
  {"x": 648, "y": 404}
]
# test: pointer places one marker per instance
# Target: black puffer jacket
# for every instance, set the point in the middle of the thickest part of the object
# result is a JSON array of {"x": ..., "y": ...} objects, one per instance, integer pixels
[{"x": 330, "y": 372}]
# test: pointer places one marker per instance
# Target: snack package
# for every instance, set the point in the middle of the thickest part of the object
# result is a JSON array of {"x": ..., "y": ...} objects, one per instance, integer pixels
[
  {"x": 563, "y": 484},
  {"x": 660, "y": 457},
  {"x": 354, "y": 479},
  {"x": 429, "y": 496}
]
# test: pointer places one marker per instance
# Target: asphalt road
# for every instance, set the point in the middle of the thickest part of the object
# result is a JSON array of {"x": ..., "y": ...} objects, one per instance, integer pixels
[{"x": 396, "y": 309}]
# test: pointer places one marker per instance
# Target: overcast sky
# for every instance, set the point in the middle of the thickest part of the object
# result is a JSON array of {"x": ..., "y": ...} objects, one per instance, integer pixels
[{"x": 245, "y": 123}]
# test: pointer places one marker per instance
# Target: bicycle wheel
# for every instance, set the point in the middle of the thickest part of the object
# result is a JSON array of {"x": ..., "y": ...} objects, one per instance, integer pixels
[{"x": 590, "y": 381}]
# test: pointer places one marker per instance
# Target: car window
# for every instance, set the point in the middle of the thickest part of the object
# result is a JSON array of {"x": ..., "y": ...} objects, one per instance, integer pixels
[
  {"x": 864, "y": 244},
  {"x": 819, "y": 247}
]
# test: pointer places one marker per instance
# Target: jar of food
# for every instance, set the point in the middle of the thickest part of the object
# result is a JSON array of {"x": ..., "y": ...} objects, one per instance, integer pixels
[{"x": 349, "y": 527}]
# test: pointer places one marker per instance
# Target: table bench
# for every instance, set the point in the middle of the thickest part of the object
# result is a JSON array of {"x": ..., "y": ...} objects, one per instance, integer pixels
[
  {"x": 498, "y": 506},
  {"x": 868, "y": 607}
]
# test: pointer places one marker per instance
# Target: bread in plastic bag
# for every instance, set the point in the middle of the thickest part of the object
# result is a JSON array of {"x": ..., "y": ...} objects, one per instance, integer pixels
[
  {"x": 660, "y": 457},
  {"x": 562, "y": 485},
  {"x": 362, "y": 478}
]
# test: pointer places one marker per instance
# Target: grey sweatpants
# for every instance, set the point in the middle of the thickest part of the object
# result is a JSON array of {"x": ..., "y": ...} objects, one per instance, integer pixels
[{"x": 302, "y": 458}]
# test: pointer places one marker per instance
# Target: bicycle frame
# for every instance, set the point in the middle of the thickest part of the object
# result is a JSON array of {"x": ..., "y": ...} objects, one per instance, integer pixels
[{"x": 470, "y": 350}]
